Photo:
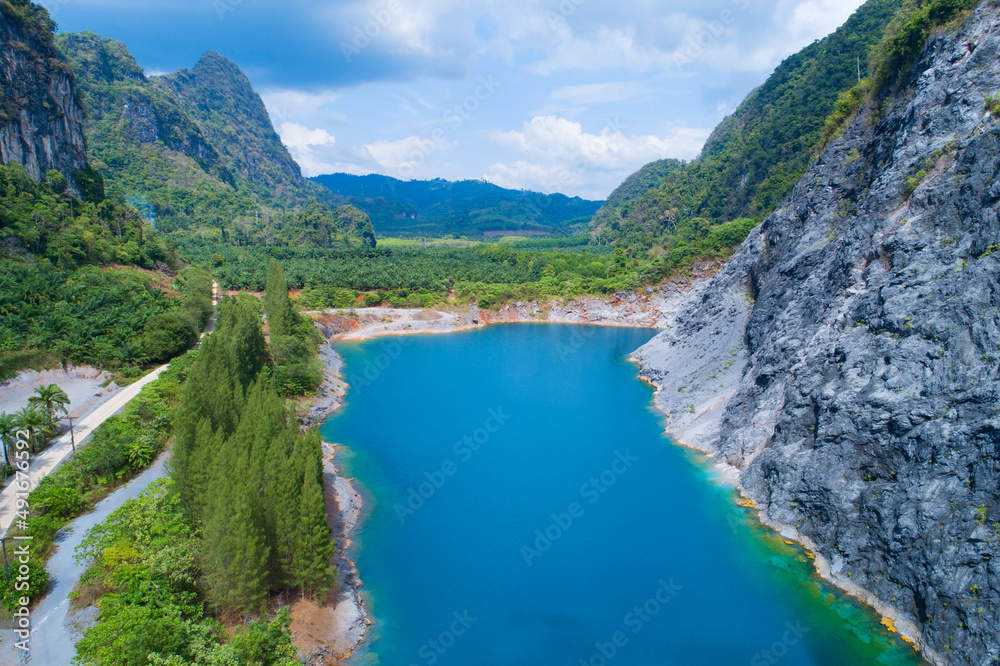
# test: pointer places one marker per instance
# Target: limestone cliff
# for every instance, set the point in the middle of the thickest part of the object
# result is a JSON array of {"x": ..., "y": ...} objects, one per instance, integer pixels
[
  {"x": 845, "y": 363},
  {"x": 41, "y": 124}
]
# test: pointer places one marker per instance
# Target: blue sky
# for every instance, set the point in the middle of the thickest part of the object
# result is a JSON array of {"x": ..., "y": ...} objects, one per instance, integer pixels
[{"x": 551, "y": 95}]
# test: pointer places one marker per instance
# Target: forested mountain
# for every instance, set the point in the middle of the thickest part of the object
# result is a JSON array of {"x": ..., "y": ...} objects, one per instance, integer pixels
[
  {"x": 468, "y": 207},
  {"x": 83, "y": 277},
  {"x": 195, "y": 151},
  {"x": 218, "y": 95},
  {"x": 754, "y": 157}
]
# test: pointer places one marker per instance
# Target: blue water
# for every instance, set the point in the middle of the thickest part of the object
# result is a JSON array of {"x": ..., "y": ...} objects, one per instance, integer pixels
[{"x": 527, "y": 509}]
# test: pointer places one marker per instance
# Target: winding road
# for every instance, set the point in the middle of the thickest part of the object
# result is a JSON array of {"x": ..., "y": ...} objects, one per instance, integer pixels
[
  {"x": 45, "y": 462},
  {"x": 55, "y": 629}
]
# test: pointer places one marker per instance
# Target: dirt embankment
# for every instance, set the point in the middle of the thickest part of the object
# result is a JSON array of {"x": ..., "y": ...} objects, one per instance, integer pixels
[{"x": 650, "y": 307}]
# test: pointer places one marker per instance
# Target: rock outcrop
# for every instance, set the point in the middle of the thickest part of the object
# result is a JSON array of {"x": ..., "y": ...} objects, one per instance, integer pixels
[
  {"x": 41, "y": 124},
  {"x": 845, "y": 363}
]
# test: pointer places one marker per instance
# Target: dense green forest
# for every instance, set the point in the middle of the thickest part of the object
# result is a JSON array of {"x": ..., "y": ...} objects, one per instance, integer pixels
[
  {"x": 751, "y": 161},
  {"x": 464, "y": 208},
  {"x": 110, "y": 318},
  {"x": 60, "y": 300},
  {"x": 45, "y": 221}
]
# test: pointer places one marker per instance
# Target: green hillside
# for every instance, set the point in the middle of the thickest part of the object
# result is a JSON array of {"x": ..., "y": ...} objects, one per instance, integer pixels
[{"x": 751, "y": 161}]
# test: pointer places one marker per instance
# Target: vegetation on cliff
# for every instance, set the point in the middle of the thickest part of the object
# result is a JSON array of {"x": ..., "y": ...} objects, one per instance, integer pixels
[
  {"x": 34, "y": 23},
  {"x": 195, "y": 152},
  {"x": 751, "y": 161}
]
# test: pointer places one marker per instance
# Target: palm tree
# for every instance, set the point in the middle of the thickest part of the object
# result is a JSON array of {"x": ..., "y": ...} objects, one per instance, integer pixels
[
  {"x": 51, "y": 399},
  {"x": 34, "y": 421},
  {"x": 8, "y": 429}
]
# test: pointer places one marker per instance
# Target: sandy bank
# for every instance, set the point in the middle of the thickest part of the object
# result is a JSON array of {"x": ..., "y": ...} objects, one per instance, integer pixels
[{"x": 85, "y": 386}]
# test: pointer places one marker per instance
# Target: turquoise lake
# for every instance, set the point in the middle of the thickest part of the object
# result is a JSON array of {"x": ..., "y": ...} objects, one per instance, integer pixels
[{"x": 526, "y": 508}]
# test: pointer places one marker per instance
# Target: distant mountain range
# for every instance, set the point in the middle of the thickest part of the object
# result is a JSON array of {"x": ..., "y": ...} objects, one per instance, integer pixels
[{"x": 468, "y": 207}]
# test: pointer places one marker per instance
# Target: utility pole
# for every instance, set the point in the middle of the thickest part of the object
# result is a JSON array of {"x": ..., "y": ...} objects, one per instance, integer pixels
[
  {"x": 6, "y": 566},
  {"x": 72, "y": 437}
]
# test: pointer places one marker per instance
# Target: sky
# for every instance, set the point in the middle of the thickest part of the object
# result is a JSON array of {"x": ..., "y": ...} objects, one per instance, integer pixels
[{"x": 565, "y": 96}]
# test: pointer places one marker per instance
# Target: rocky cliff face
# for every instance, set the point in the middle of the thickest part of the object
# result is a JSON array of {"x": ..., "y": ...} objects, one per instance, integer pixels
[
  {"x": 41, "y": 124},
  {"x": 220, "y": 96},
  {"x": 844, "y": 366},
  {"x": 123, "y": 104}
]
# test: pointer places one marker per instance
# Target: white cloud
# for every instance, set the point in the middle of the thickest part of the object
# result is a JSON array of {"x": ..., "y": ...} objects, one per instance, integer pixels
[
  {"x": 816, "y": 18},
  {"x": 303, "y": 143},
  {"x": 558, "y": 139},
  {"x": 289, "y": 104},
  {"x": 591, "y": 93},
  {"x": 561, "y": 157},
  {"x": 405, "y": 156}
]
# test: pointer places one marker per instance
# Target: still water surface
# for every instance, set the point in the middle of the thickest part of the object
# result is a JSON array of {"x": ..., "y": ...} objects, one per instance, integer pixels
[{"x": 525, "y": 508}]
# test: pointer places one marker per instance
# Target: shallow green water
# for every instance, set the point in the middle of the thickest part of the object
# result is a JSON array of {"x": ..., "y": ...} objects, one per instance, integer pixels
[{"x": 526, "y": 508}]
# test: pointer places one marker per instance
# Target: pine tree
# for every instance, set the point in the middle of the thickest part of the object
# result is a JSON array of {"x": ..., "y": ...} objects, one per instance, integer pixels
[
  {"x": 282, "y": 483},
  {"x": 313, "y": 546},
  {"x": 236, "y": 562},
  {"x": 197, "y": 481},
  {"x": 277, "y": 305},
  {"x": 247, "y": 347},
  {"x": 210, "y": 394}
]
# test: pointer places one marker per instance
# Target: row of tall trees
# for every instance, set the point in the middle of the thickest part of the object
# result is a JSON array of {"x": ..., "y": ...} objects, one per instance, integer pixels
[
  {"x": 246, "y": 474},
  {"x": 293, "y": 339}
]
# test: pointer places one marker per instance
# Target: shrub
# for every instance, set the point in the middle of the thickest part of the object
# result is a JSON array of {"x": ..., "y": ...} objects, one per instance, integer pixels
[
  {"x": 993, "y": 104},
  {"x": 913, "y": 182},
  {"x": 287, "y": 350},
  {"x": 297, "y": 379},
  {"x": 169, "y": 334}
]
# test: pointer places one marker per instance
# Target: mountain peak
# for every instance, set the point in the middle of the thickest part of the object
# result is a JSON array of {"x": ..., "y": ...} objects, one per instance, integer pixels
[{"x": 222, "y": 98}]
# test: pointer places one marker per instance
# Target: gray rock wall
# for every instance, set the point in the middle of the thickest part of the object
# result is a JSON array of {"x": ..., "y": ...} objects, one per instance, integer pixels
[
  {"x": 845, "y": 363},
  {"x": 42, "y": 126}
]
